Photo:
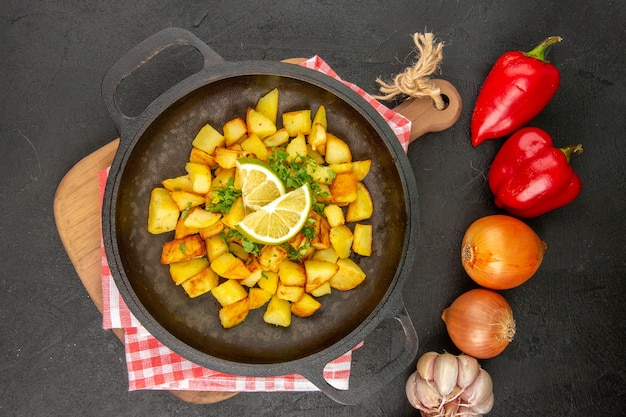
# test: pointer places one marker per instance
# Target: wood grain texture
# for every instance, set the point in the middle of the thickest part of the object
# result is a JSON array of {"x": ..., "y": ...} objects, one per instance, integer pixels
[
  {"x": 77, "y": 214},
  {"x": 77, "y": 210},
  {"x": 425, "y": 118}
]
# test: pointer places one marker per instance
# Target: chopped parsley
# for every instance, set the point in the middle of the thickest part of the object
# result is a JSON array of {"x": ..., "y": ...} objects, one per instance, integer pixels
[
  {"x": 308, "y": 230},
  {"x": 296, "y": 254},
  {"x": 224, "y": 197},
  {"x": 297, "y": 172},
  {"x": 185, "y": 212},
  {"x": 318, "y": 207},
  {"x": 249, "y": 246}
]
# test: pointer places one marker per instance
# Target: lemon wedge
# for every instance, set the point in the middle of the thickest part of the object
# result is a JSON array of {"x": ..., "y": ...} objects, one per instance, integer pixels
[
  {"x": 259, "y": 185},
  {"x": 280, "y": 220}
]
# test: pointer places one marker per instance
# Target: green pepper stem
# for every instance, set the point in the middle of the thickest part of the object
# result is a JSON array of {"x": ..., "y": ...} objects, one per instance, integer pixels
[
  {"x": 571, "y": 149},
  {"x": 540, "y": 50}
]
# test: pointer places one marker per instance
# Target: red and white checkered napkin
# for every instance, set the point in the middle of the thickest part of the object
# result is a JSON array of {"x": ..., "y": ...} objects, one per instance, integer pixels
[
  {"x": 151, "y": 365},
  {"x": 400, "y": 125}
]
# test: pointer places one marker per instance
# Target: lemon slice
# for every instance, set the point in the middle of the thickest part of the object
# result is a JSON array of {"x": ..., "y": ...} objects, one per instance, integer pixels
[
  {"x": 280, "y": 220},
  {"x": 258, "y": 183}
]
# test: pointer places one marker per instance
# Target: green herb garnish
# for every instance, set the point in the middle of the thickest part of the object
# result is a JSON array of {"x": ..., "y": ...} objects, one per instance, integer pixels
[
  {"x": 296, "y": 254},
  {"x": 224, "y": 197},
  {"x": 249, "y": 246},
  {"x": 185, "y": 212},
  {"x": 297, "y": 172}
]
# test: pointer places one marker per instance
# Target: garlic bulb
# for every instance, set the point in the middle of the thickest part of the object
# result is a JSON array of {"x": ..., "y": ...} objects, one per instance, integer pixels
[{"x": 445, "y": 385}]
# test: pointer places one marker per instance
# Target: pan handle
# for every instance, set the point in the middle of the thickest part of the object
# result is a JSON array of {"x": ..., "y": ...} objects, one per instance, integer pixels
[
  {"x": 425, "y": 117},
  {"x": 141, "y": 54},
  {"x": 377, "y": 381}
]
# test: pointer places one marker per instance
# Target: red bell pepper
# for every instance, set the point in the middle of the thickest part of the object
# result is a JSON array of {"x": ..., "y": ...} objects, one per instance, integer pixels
[
  {"x": 516, "y": 89},
  {"x": 530, "y": 177}
]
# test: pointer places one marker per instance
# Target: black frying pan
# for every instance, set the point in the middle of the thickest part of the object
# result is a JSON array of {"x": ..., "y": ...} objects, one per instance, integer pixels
[{"x": 155, "y": 145}]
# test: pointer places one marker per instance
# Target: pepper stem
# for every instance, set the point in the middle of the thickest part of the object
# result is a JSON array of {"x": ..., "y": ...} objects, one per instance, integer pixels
[
  {"x": 571, "y": 150},
  {"x": 540, "y": 50}
]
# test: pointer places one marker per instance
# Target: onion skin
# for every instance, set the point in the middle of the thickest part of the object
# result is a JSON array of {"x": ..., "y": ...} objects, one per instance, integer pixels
[
  {"x": 501, "y": 252},
  {"x": 480, "y": 323}
]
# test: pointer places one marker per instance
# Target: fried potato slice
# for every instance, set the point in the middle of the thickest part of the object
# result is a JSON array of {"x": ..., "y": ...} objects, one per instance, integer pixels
[
  {"x": 337, "y": 150},
  {"x": 184, "y": 249},
  {"x": 208, "y": 138},
  {"x": 215, "y": 247},
  {"x": 328, "y": 255},
  {"x": 317, "y": 138},
  {"x": 271, "y": 257},
  {"x": 306, "y": 306},
  {"x": 228, "y": 265},
  {"x": 334, "y": 215},
  {"x": 199, "y": 218},
  {"x": 291, "y": 273},
  {"x": 186, "y": 200},
  {"x": 362, "y": 243},
  {"x": 280, "y": 137},
  {"x": 362, "y": 207},
  {"x": 229, "y": 292},
  {"x": 255, "y": 146},
  {"x": 226, "y": 158},
  {"x": 259, "y": 124},
  {"x": 234, "y": 130},
  {"x": 213, "y": 230},
  {"x": 343, "y": 189},
  {"x": 298, "y": 121},
  {"x": 182, "y": 271},
  {"x": 258, "y": 297},
  {"x": 348, "y": 276},
  {"x": 278, "y": 312},
  {"x": 318, "y": 272},
  {"x": 162, "y": 212},
  {"x": 234, "y": 314},
  {"x": 182, "y": 231},
  {"x": 236, "y": 213},
  {"x": 200, "y": 176},
  {"x": 322, "y": 233},
  {"x": 267, "y": 105},
  {"x": 256, "y": 272},
  {"x": 322, "y": 290},
  {"x": 268, "y": 281},
  {"x": 290, "y": 293},
  {"x": 361, "y": 168},
  {"x": 201, "y": 283},
  {"x": 297, "y": 148},
  {"x": 198, "y": 156},
  {"x": 320, "y": 117},
  {"x": 180, "y": 183},
  {"x": 341, "y": 238}
]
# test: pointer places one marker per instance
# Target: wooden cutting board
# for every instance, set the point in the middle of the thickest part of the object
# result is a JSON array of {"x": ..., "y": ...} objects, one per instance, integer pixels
[{"x": 77, "y": 206}]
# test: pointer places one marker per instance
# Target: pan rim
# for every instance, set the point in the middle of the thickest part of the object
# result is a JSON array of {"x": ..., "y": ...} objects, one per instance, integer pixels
[{"x": 391, "y": 300}]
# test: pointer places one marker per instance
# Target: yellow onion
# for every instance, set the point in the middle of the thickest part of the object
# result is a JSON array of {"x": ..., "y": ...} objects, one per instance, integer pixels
[
  {"x": 480, "y": 323},
  {"x": 501, "y": 252}
]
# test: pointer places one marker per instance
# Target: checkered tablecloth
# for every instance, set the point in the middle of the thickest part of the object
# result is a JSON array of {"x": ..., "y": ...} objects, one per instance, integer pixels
[{"x": 151, "y": 365}]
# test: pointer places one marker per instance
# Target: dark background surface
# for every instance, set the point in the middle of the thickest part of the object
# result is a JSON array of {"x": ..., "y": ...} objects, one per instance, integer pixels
[{"x": 567, "y": 358}]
